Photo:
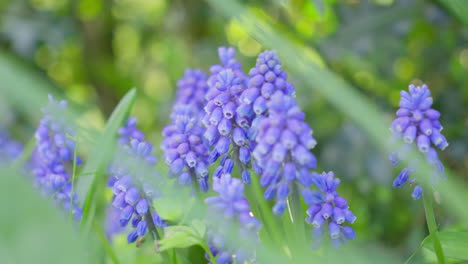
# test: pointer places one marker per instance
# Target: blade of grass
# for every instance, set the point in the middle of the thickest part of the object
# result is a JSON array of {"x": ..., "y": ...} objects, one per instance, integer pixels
[
  {"x": 101, "y": 154},
  {"x": 75, "y": 152},
  {"x": 107, "y": 247}
]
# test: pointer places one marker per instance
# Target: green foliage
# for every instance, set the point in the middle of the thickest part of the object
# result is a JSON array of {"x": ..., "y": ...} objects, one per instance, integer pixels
[
  {"x": 348, "y": 60},
  {"x": 454, "y": 244},
  {"x": 32, "y": 229},
  {"x": 183, "y": 236},
  {"x": 90, "y": 184}
]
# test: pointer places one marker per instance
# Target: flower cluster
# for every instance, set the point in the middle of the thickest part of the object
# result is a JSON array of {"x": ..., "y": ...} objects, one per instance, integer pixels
[
  {"x": 184, "y": 149},
  {"x": 234, "y": 207},
  {"x": 133, "y": 197},
  {"x": 129, "y": 132},
  {"x": 418, "y": 123},
  {"x": 328, "y": 210},
  {"x": 9, "y": 149},
  {"x": 192, "y": 88},
  {"x": 224, "y": 126},
  {"x": 283, "y": 148},
  {"x": 266, "y": 78},
  {"x": 55, "y": 157}
]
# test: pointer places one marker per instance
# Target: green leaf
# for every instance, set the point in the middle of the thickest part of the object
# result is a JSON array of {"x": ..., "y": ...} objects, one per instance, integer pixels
[
  {"x": 101, "y": 154},
  {"x": 32, "y": 229},
  {"x": 454, "y": 244},
  {"x": 168, "y": 209},
  {"x": 179, "y": 237},
  {"x": 199, "y": 227}
]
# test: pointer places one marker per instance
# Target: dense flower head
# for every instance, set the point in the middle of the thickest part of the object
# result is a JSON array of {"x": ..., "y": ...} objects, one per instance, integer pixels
[
  {"x": 54, "y": 159},
  {"x": 283, "y": 148},
  {"x": 133, "y": 196},
  {"x": 232, "y": 205},
  {"x": 417, "y": 123},
  {"x": 9, "y": 149},
  {"x": 185, "y": 151},
  {"x": 327, "y": 210},
  {"x": 192, "y": 88},
  {"x": 265, "y": 79},
  {"x": 226, "y": 129}
]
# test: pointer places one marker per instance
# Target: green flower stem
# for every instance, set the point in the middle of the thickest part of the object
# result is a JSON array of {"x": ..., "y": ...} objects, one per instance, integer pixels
[
  {"x": 75, "y": 152},
  {"x": 294, "y": 223},
  {"x": 432, "y": 226},
  {"x": 266, "y": 212},
  {"x": 207, "y": 250},
  {"x": 105, "y": 243}
]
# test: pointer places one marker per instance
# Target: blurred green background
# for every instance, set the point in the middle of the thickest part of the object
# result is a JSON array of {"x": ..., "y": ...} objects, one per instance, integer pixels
[{"x": 93, "y": 51}]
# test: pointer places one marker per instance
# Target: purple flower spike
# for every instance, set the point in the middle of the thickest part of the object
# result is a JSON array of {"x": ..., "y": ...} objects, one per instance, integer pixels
[
  {"x": 232, "y": 205},
  {"x": 266, "y": 78},
  {"x": 133, "y": 198},
  {"x": 54, "y": 155},
  {"x": 283, "y": 149},
  {"x": 192, "y": 88},
  {"x": 185, "y": 151},
  {"x": 226, "y": 123},
  {"x": 327, "y": 208},
  {"x": 417, "y": 123}
]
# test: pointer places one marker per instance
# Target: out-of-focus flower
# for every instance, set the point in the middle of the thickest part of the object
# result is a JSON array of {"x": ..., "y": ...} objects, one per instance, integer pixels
[
  {"x": 234, "y": 208},
  {"x": 192, "y": 88},
  {"x": 54, "y": 158},
  {"x": 133, "y": 195},
  {"x": 327, "y": 210},
  {"x": 9, "y": 149},
  {"x": 417, "y": 123}
]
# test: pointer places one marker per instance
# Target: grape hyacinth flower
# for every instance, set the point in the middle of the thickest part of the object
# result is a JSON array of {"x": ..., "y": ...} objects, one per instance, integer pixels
[
  {"x": 192, "y": 88},
  {"x": 54, "y": 159},
  {"x": 234, "y": 207},
  {"x": 283, "y": 148},
  {"x": 9, "y": 149},
  {"x": 129, "y": 132},
  {"x": 266, "y": 78},
  {"x": 133, "y": 196},
  {"x": 226, "y": 129},
  {"x": 417, "y": 123},
  {"x": 328, "y": 210},
  {"x": 185, "y": 151}
]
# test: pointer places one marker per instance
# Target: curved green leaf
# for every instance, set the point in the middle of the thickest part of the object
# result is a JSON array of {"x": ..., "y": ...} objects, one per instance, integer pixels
[
  {"x": 179, "y": 237},
  {"x": 101, "y": 154},
  {"x": 454, "y": 244}
]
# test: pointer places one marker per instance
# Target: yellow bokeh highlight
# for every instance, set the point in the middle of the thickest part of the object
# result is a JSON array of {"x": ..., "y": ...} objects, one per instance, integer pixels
[
  {"x": 126, "y": 44},
  {"x": 157, "y": 85},
  {"x": 404, "y": 68},
  {"x": 463, "y": 58},
  {"x": 147, "y": 11},
  {"x": 238, "y": 36},
  {"x": 89, "y": 9}
]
